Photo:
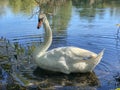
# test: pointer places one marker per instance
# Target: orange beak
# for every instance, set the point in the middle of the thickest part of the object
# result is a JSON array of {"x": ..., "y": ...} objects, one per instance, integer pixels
[{"x": 39, "y": 23}]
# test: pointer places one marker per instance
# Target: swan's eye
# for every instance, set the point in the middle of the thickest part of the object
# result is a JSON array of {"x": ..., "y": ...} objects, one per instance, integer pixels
[{"x": 40, "y": 19}]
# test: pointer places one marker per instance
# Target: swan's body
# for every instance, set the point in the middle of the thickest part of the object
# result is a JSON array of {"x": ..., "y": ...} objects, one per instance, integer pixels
[{"x": 64, "y": 59}]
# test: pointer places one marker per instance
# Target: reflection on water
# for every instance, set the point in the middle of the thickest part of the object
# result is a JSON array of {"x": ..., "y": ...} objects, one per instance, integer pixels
[
  {"x": 22, "y": 6},
  {"x": 89, "y": 24},
  {"x": 59, "y": 80}
]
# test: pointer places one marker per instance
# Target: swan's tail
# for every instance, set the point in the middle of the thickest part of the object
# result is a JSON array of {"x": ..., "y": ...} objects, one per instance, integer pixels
[{"x": 99, "y": 57}]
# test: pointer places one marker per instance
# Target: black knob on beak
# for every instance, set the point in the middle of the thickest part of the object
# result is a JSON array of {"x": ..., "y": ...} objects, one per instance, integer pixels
[{"x": 38, "y": 27}]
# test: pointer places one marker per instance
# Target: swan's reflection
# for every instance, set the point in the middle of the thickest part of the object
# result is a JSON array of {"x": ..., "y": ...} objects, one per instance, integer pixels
[{"x": 50, "y": 79}]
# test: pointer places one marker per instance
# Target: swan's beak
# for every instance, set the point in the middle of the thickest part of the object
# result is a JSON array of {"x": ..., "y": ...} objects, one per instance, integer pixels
[{"x": 40, "y": 21}]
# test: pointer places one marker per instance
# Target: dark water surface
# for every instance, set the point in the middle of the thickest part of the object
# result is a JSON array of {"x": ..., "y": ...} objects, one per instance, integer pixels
[{"x": 89, "y": 24}]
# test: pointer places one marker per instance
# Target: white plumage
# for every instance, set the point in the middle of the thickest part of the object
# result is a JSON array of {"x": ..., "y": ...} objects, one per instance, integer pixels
[{"x": 64, "y": 59}]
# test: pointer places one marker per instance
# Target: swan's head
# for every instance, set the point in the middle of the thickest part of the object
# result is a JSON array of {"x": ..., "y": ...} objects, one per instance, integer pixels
[{"x": 41, "y": 19}]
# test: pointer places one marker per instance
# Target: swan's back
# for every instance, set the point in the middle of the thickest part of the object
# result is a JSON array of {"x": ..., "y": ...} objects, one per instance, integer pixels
[{"x": 71, "y": 52}]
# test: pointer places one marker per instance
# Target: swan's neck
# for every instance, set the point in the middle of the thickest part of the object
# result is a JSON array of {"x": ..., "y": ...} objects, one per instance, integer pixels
[{"x": 47, "y": 37}]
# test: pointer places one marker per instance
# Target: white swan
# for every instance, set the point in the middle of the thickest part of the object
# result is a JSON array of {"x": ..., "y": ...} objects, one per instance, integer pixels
[{"x": 64, "y": 59}]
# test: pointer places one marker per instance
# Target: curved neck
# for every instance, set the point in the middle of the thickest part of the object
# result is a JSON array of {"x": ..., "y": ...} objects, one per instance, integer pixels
[{"x": 47, "y": 37}]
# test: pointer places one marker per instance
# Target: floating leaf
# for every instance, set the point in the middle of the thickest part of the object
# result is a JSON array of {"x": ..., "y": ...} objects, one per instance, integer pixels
[{"x": 117, "y": 89}]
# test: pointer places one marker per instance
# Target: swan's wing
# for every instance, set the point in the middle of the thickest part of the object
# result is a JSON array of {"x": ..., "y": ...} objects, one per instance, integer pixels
[
  {"x": 61, "y": 59},
  {"x": 71, "y": 54}
]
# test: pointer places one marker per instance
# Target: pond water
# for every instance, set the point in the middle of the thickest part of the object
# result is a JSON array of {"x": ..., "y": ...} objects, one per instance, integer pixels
[{"x": 88, "y": 24}]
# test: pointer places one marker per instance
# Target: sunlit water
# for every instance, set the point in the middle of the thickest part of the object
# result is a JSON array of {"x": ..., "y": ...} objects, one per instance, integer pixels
[{"x": 85, "y": 26}]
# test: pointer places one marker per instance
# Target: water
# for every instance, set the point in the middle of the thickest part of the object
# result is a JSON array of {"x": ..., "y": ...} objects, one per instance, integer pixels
[{"x": 89, "y": 24}]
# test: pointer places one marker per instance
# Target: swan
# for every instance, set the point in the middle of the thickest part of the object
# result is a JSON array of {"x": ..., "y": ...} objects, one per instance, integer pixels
[{"x": 66, "y": 60}]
